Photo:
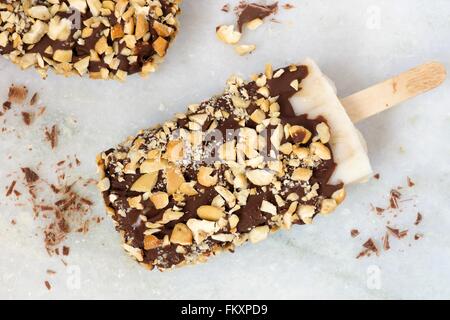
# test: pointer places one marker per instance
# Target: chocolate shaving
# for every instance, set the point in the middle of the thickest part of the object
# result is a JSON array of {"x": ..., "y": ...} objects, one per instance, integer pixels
[
  {"x": 34, "y": 99},
  {"x": 66, "y": 251},
  {"x": 51, "y": 135},
  {"x": 252, "y": 11},
  {"x": 418, "y": 236},
  {"x": 27, "y": 118},
  {"x": 394, "y": 197},
  {"x": 11, "y": 188},
  {"x": 410, "y": 182},
  {"x": 376, "y": 176},
  {"x": 17, "y": 94},
  {"x": 6, "y": 106},
  {"x": 397, "y": 233},
  {"x": 288, "y": 6},
  {"x": 418, "y": 219},
  {"x": 386, "y": 245},
  {"x": 226, "y": 8},
  {"x": 354, "y": 233},
  {"x": 369, "y": 247},
  {"x": 48, "y": 285},
  {"x": 30, "y": 175}
]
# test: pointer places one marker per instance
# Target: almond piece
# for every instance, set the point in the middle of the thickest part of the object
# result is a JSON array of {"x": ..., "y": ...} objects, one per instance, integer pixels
[
  {"x": 117, "y": 32},
  {"x": 160, "y": 200},
  {"x": 142, "y": 26},
  {"x": 135, "y": 202},
  {"x": 181, "y": 234},
  {"x": 160, "y": 45},
  {"x": 260, "y": 177},
  {"x": 227, "y": 34},
  {"x": 339, "y": 196},
  {"x": 306, "y": 213},
  {"x": 151, "y": 242},
  {"x": 258, "y": 234},
  {"x": 204, "y": 177},
  {"x": 174, "y": 151},
  {"x": 174, "y": 179},
  {"x": 324, "y": 132},
  {"x": 268, "y": 207},
  {"x": 210, "y": 213},
  {"x": 300, "y": 134},
  {"x": 302, "y": 174},
  {"x": 320, "y": 150},
  {"x": 62, "y": 55},
  {"x": 145, "y": 183},
  {"x": 258, "y": 116},
  {"x": 244, "y": 49},
  {"x": 328, "y": 206},
  {"x": 104, "y": 184},
  {"x": 161, "y": 29}
]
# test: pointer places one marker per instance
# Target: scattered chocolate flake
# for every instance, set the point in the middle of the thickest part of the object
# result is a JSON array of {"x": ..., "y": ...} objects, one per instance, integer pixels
[
  {"x": 376, "y": 176},
  {"x": 30, "y": 175},
  {"x": 250, "y": 11},
  {"x": 226, "y": 8},
  {"x": 51, "y": 272},
  {"x": 410, "y": 182},
  {"x": 27, "y": 118},
  {"x": 48, "y": 285},
  {"x": 34, "y": 99},
  {"x": 397, "y": 233},
  {"x": 288, "y": 6},
  {"x": 418, "y": 236},
  {"x": 418, "y": 219},
  {"x": 354, "y": 233},
  {"x": 6, "y": 106},
  {"x": 369, "y": 247},
  {"x": 13, "y": 222},
  {"x": 394, "y": 197},
  {"x": 66, "y": 251},
  {"x": 51, "y": 135},
  {"x": 379, "y": 210},
  {"x": 11, "y": 188},
  {"x": 386, "y": 244},
  {"x": 17, "y": 94}
]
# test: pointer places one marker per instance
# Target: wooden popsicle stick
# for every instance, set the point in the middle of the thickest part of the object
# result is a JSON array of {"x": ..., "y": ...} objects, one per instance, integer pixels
[{"x": 389, "y": 93}]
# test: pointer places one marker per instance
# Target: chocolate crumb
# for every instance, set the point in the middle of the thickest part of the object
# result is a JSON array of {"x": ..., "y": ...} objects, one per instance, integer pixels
[
  {"x": 377, "y": 176},
  {"x": 354, "y": 233},
  {"x": 51, "y": 272},
  {"x": 48, "y": 285},
  {"x": 410, "y": 182},
  {"x": 13, "y": 222},
  {"x": 288, "y": 6},
  {"x": 379, "y": 210},
  {"x": 226, "y": 8},
  {"x": 30, "y": 175},
  {"x": 418, "y": 219}
]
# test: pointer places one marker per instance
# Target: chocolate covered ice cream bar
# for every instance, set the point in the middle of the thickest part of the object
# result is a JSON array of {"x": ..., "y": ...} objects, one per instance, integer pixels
[
  {"x": 105, "y": 39},
  {"x": 266, "y": 154}
]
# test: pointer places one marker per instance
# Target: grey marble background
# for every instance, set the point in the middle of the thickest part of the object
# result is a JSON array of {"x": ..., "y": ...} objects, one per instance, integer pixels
[{"x": 357, "y": 43}]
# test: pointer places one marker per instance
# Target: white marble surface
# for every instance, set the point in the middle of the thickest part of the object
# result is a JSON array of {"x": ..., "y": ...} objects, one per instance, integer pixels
[{"x": 357, "y": 43}]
